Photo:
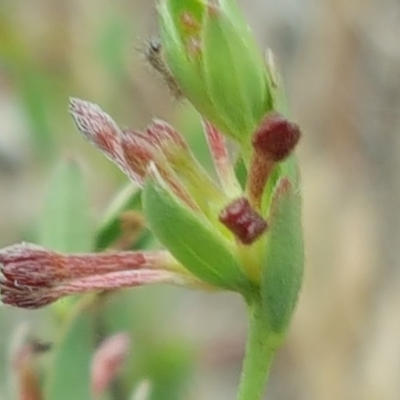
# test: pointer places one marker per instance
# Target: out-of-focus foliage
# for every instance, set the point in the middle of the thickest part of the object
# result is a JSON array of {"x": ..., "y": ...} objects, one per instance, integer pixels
[
  {"x": 69, "y": 375},
  {"x": 65, "y": 224},
  {"x": 341, "y": 66}
]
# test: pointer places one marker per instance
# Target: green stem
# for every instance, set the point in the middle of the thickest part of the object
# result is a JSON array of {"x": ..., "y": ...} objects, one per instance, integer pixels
[{"x": 260, "y": 350}]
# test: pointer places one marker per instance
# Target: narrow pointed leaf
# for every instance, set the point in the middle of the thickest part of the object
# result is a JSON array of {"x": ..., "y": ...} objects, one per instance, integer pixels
[
  {"x": 284, "y": 260},
  {"x": 191, "y": 239}
]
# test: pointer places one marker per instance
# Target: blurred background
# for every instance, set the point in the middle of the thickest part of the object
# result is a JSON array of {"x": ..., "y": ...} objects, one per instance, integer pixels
[{"x": 341, "y": 64}]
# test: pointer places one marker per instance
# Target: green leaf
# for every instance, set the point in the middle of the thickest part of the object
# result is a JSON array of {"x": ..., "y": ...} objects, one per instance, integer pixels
[
  {"x": 69, "y": 377},
  {"x": 65, "y": 224},
  {"x": 284, "y": 260},
  {"x": 34, "y": 94},
  {"x": 191, "y": 239},
  {"x": 129, "y": 198},
  {"x": 169, "y": 367}
]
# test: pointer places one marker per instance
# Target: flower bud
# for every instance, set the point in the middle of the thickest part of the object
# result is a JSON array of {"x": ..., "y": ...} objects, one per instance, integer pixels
[
  {"x": 25, "y": 366},
  {"x": 213, "y": 56},
  {"x": 33, "y": 277},
  {"x": 108, "y": 361}
]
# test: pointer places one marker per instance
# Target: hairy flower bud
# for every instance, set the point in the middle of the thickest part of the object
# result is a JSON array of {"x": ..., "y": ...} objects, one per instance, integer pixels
[{"x": 32, "y": 277}]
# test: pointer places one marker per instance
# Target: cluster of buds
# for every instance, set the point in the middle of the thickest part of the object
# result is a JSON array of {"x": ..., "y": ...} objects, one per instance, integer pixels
[{"x": 225, "y": 234}]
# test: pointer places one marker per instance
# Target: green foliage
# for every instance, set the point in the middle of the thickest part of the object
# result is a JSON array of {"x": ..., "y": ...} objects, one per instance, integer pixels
[
  {"x": 36, "y": 102},
  {"x": 109, "y": 230},
  {"x": 65, "y": 224},
  {"x": 284, "y": 259},
  {"x": 69, "y": 377},
  {"x": 200, "y": 42},
  {"x": 168, "y": 366},
  {"x": 167, "y": 362},
  {"x": 192, "y": 239}
]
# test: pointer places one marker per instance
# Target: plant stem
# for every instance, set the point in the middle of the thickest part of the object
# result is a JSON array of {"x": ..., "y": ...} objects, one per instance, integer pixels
[{"x": 260, "y": 349}]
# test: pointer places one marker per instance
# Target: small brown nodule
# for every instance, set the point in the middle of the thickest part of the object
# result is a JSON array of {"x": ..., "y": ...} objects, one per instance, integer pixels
[
  {"x": 276, "y": 137},
  {"x": 243, "y": 221}
]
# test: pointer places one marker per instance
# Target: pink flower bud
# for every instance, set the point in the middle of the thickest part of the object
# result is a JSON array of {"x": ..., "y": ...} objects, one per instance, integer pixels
[
  {"x": 32, "y": 277},
  {"x": 108, "y": 360},
  {"x": 24, "y": 353},
  {"x": 138, "y": 153},
  {"x": 101, "y": 130},
  {"x": 166, "y": 137}
]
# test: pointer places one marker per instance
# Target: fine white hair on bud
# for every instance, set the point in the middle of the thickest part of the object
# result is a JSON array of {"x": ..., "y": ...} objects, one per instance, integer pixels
[
  {"x": 96, "y": 125},
  {"x": 32, "y": 277},
  {"x": 101, "y": 130}
]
